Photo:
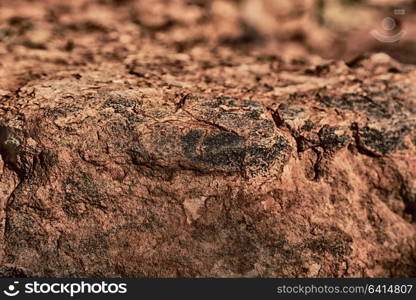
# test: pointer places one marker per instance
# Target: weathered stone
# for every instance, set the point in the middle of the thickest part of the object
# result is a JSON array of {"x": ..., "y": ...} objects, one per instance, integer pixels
[{"x": 153, "y": 154}]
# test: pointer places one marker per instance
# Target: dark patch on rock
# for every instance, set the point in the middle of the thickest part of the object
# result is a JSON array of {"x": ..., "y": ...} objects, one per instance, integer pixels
[
  {"x": 378, "y": 141},
  {"x": 333, "y": 138},
  {"x": 336, "y": 247},
  {"x": 336, "y": 242},
  {"x": 82, "y": 188},
  {"x": 157, "y": 177},
  {"x": 379, "y": 109},
  {"x": 228, "y": 151},
  {"x": 289, "y": 112},
  {"x": 190, "y": 142},
  {"x": 308, "y": 126},
  {"x": 214, "y": 143},
  {"x": 121, "y": 106},
  {"x": 227, "y": 135},
  {"x": 231, "y": 102},
  {"x": 10, "y": 144},
  {"x": 12, "y": 271},
  {"x": 119, "y": 103},
  {"x": 224, "y": 150},
  {"x": 260, "y": 158},
  {"x": 254, "y": 115},
  {"x": 139, "y": 154},
  {"x": 96, "y": 243}
]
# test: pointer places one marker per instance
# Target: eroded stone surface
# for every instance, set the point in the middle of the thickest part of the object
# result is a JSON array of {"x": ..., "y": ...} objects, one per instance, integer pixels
[
  {"x": 220, "y": 134},
  {"x": 137, "y": 157}
]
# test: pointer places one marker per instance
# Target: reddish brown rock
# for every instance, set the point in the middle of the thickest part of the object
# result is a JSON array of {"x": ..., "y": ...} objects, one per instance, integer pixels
[
  {"x": 131, "y": 159},
  {"x": 101, "y": 177}
]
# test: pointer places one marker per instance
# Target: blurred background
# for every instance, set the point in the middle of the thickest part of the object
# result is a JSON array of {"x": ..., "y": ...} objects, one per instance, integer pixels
[{"x": 339, "y": 29}]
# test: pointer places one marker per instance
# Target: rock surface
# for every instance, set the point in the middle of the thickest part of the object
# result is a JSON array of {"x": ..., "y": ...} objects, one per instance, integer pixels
[{"x": 131, "y": 158}]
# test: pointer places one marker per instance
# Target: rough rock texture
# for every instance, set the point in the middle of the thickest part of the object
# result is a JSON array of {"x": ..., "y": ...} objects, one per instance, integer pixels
[{"x": 122, "y": 154}]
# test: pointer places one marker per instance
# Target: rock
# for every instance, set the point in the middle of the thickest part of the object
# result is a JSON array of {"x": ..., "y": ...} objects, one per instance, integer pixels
[{"x": 258, "y": 166}]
